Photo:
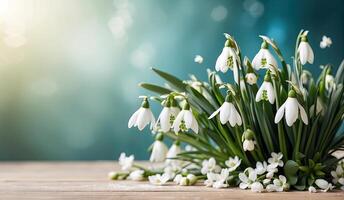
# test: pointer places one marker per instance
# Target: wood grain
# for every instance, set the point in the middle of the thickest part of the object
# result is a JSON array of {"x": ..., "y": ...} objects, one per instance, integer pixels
[{"x": 88, "y": 180}]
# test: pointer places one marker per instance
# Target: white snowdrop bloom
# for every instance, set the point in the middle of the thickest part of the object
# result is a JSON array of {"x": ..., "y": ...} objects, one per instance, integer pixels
[
  {"x": 324, "y": 185},
  {"x": 228, "y": 59},
  {"x": 248, "y": 145},
  {"x": 192, "y": 179},
  {"x": 198, "y": 59},
  {"x": 325, "y": 42},
  {"x": 271, "y": 170},
  {"x": 291, "y": 107},
  {"x": 126, "y": 162},
  {"x": 339, "y": 173},
  {"x": 257, "y": 187},
  {"x": 211, "y": 179},
  {"x": 177, "y": 178},
  {"x": 185, "y": 120},
  {"x": 266, "y": 91},
  {"x": 137, "y": 175},
  {"x": 264, "y": 59},
  {"x": 142, "y": 117},
  {"x": 173, "y": 152},
  {"x": 276, "y": 159},
  {"x": 233, "y": 163},
  {"x": 210, "y": 166},
  {"x": 221, "y": 179},
  {"x": 281, "y": 184},
  {"x": 329, "y": 82},
  {"x": 159, "y": 150},
  {"x": 312, "y": 189},
  {"x": 251, "y": 78},
  {"x": 305, "y": 51},
  {"x": 247, "y": 178},
  {"x": 228, "y": 113},
  {"x": 158, "y": 179},
  {"x": 261, "y": 167},
  {"x": 168, "y": 115}
]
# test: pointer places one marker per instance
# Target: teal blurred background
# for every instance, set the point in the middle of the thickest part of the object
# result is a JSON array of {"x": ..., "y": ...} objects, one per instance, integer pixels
[{"x": 69, "y": 69}]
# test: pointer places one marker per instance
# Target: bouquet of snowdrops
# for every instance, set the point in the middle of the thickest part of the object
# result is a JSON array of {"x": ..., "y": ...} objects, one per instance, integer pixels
[{"x": 274, "y": 136}]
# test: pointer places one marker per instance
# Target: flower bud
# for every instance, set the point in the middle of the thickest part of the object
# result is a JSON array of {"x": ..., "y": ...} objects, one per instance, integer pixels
[
  {"x": 184, "y": 181},
  {"x": 192, "y": 178}
]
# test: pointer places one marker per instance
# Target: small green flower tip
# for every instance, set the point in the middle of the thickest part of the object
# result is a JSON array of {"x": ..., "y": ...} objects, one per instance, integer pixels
[
  {"x": 304, "y": 38},
  {"x": 186, "y": 106},
  {"x": 267, "y": 77},
  {"x": 145, "y": 103},
  {"x": 292, "y": 94},
  {"x": 229, "y": 43},
  {"x": 264, "y": 45},
  {"x": 159, "y": 137},
  {"x": 167, "y": 103},
  {"x": 173, "y": 102},
  {"x": 229, "y": 97},
  {"x": 248, "y": 134},
  {"x": 176, "y": 142}
]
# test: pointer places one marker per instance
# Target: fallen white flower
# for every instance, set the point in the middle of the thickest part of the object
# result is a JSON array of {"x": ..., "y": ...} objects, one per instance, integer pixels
[
  {"x": 126, "y": 162},
  {"x": 158, "y": 179}
]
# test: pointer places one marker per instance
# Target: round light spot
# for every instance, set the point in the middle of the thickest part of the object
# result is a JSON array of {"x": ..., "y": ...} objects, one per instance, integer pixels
[{"x": 219, "y": 13}]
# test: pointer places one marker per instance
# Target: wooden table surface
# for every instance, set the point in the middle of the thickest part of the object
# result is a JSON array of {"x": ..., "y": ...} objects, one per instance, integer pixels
[{"x": 88, "y": 180}]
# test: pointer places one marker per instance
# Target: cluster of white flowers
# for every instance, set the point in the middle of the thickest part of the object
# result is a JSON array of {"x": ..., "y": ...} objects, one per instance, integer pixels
[
  {"x": 217, "y": 177},
  {"x": 338, "y": 175},
  {"x": 264, "y": 176},
  {"x": 322, "y": 184}
]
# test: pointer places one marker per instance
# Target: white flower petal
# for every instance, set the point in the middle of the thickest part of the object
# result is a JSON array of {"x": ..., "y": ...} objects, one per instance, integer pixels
[
  {"x": 188, "y": 118},
  {"x": 257, "y": 60},
  {"x": 270, "y": 92},
  {"x": 303, "y": 52},
  {"x": 310, "y": 58},
  {"x": 214, "y": 113},
  {"x": 280, "y": 113},
  {"x": 303, "y": 114},
  {"x": 291, "y": 111},
  {"x": 225, "y": 112},
  {"x": 133, "y": 118}
]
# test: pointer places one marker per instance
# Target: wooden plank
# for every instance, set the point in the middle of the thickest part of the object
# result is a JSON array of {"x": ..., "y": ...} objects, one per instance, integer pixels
[{"x": 88, "y": 180}]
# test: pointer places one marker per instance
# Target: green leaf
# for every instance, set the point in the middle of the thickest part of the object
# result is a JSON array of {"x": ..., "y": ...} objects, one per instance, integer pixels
[
  {"x": 340, "y": 73},
  {"x": 302, "y": 184},
  {"x": 290, "y": 170},
  {"x": 174, "y": 81},
  {"x": 155, "y": 88}
]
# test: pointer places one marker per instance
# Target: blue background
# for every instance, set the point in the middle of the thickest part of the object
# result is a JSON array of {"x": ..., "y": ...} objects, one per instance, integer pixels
[{"x": 69, "y": 69}]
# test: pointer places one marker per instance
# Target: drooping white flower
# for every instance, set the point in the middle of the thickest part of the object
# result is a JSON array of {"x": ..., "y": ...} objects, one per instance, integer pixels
[
  {"x": 185, "y": 120},
  {"x": 221, "y": 179},
  {"x": 173, "y": 152},
  {"x": 228, "y": 113},
  {"x": 158, "y": 179},
  {"x": 266, "y": 91},
  {"x": 142, "y": 117},
  {"x": 126, "y": 162},
  {"x": 280, "y": 184},
  {"x": 329, "y": 82},
  {"x": 339, "y": 173},
  {"x": 291, "y": 107},
  {"x": 211, "y": 179},
  {"x": 233, "y": 163},
  {"x": 248, "y": 145},
  {"x": 198, "y": 59},
  {"x": 271, "y": 170},
  {"x": 325, "y": 42},
  {"x": 228, "y": 59},
  {"x": 168, "y": 115},
  {"x": 257, "y": 187},
  {"x": 264, "y": 59},
  {"x": 261, "y": 167},
  {"x": 210, "y": 166},
  {"x": 247, "y": 178},
  {"x": 159, "y": 150},
  {"x": 312, "y": 189},
  {"x": 276, "y": 159},
  {"x": 137, "y": 175},
  {"x": 324, "y": 185},
  {"x": 305, "y": 51},
  {"x": 251, "y": 78}
]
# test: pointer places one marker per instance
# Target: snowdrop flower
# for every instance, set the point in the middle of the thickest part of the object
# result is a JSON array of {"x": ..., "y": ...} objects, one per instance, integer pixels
[
  {"x": 291, "y": 107},
  {"x": 339, "y": 173},
  {"x": 228, "y": 113},
  {"x": 142, "y": 116},
  {"x": 184, "y": 181},
  {"x": 233, "y": 163},
  {"x": 329, "y": 82},
  {"x": 126, "y": 162},
  {"x": 221, "y": 179},
  {"x": 159, "y": 150},
  {"x": 271, "y": 170},
  {"x": 266, "y": 181},
  {"x": 137, "y": 175},
  {"x": 264, "y": 59},
  {"x": 210, "y": 166},
  {"x": 211, "y": 179},
  {"x": 261, "y": 167},
  {"x": 177, "y": 178},
  {"x": 257, "y": 187},
  {"x": 276, "y": 159},
  {"x": 248, "y": 142},
  {"x": 228, "y": 59},
  {"x": 158, "y": 179},
  {"x": 198, "y": 59},
  {"x": 312, "y": 189},
  {"x": 279, "y": 185},
  {"x": 192, "y": 179},
  {"x": 168, "y": 114},
  {"x": 266, "y": 90},
  {"x": 173, "y": 152},
  {"x": 251, "y": 78},
  {"x": 172, "y": 169},
  {"x": 185, "y": 120},
  {"x": 324, "y": 185},
  {"x": 113, "y": 175},
  {"x": 305, "y": 51},
  {"x": 325, "y": 42},
  {"x": 247, "y": 178}
]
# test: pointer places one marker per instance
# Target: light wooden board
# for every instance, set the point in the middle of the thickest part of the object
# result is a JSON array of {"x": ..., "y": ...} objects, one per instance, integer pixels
[{"x": 88, "y": 180}]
